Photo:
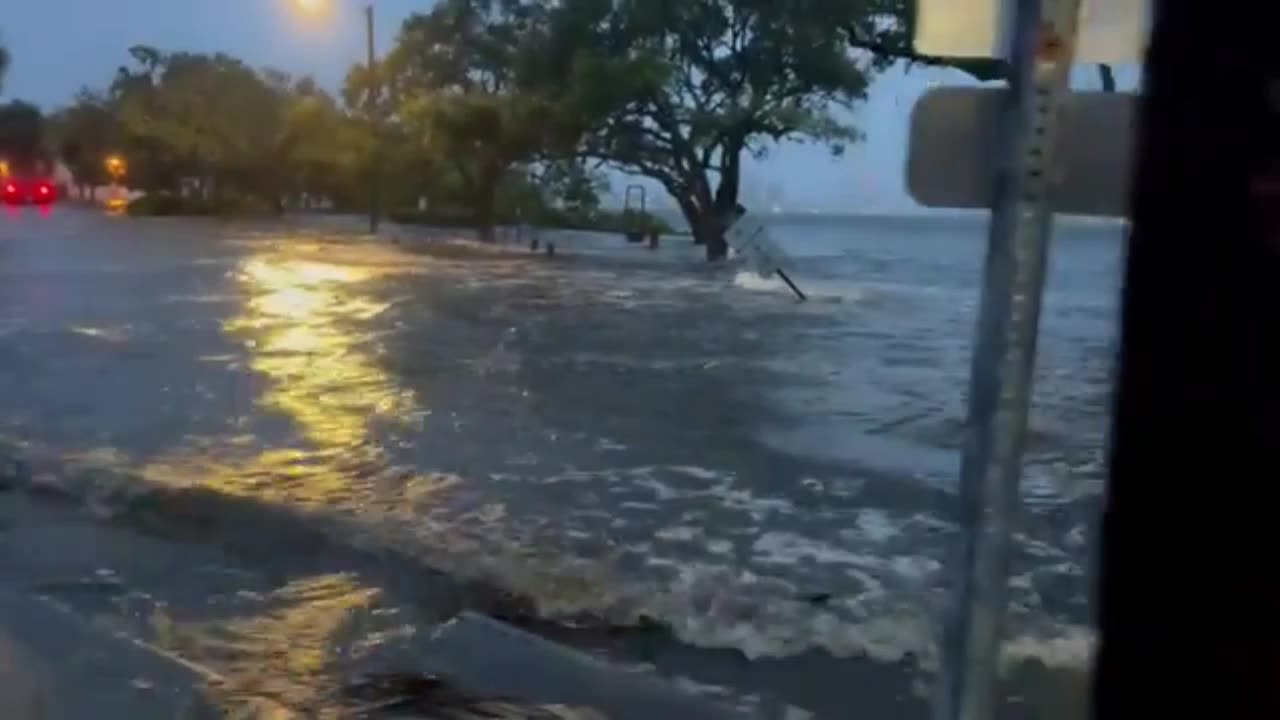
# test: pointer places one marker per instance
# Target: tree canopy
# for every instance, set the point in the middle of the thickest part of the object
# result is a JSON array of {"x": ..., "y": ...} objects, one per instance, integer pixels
[
  {"x": 491, "y": 109},
  {"x": 679, "y": 90},
  {"x": 4, "y": 65},
  {"x": 22, "y": 135}
]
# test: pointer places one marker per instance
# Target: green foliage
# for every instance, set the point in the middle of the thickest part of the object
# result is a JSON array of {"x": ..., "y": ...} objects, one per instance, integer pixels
[
  {"x": 491, "y": 110},
  {"x": 200, "y": 116},
  {"x": 22, "y": 135},
  {"x": 678, "y": 90},
  {"x": 570, "y": 186},
  {"x": 85, "y": 133},
  {"x": 322, "y": 150},
  {"x": 595, "y": 220},
  {"x": 245, "y": 137},
  {"x": 621, "y": 221},
  {"x": 163, "y": 204},
  {"x": 456, "y": 85},
  {"x": 560, "y": 194}
]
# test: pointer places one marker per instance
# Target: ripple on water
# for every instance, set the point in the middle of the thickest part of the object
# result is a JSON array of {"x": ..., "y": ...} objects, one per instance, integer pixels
[{"x": 574, "y": 434}]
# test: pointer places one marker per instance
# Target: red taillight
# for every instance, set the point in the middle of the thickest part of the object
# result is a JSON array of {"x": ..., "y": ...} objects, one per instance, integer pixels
[
  {"x": 44, "y": 190},
  {"x": 10, "y": 189}
]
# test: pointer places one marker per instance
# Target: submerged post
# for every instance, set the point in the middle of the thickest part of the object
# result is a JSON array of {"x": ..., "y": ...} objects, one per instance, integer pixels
[
  {"x": 1044, "y": 39},
  {"x": 375, "y": 89}
]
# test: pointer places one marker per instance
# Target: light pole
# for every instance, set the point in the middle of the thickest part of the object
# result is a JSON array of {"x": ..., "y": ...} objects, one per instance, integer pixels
[
  {"x": 375, "y": 120},
  {"x": 371, "y": 104}
]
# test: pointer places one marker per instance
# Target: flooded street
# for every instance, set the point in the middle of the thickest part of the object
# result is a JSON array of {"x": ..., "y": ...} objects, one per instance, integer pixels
[{"x": 304, "y": 450}]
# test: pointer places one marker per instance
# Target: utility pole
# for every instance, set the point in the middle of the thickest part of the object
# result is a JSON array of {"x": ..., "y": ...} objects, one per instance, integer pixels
[{"x": 375, "y": 121}]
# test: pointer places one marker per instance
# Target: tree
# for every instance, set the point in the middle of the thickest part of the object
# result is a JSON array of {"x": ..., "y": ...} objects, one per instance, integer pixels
[
  {"x": 321, "y": 148},
  {"x": 209, "y": 117},
  {"x": 85, "y": 134},
  {"x": 22, "y": 135},
  {"x": 458, "y": 91},
  {"x": 4, "y": 65},
  {"x": 679, "y": 90},
  {"x": 570, "y": 186}
]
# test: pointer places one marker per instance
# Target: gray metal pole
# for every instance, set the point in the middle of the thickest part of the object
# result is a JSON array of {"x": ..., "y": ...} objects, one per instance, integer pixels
[
  {"x": 375, "y": 120},
  {"x": 1000, "y": 381}
]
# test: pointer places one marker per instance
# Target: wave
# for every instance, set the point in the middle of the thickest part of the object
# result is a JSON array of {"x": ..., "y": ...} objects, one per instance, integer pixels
[{"x": 501, "y": 570}]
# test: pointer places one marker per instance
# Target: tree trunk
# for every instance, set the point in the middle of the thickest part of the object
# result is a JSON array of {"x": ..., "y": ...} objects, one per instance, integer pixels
[
  {"x": 707, "y": 228},
  {"x": 483, "y": 211},
  {"x": 482, "y": 188},
  {"x": 712, "y": 236}
]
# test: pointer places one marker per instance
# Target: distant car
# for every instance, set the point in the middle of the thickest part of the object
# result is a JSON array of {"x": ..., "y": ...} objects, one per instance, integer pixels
[{"x": 28, "y": 191}]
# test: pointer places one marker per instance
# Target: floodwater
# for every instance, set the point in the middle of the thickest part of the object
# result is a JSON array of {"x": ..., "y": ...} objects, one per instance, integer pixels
[{"x": 326, "y": 445}]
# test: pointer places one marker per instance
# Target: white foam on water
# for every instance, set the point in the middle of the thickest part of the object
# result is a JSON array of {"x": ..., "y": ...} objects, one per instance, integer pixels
[
  {"x": 108, "y": 334},
  {"x": 814, "y": 290},
  {"x": 680, "y": 534},
  {"x": 876, "y": 526},
  {"x": 1058, "y": 646},
  {"x": 752, "y": 281}
]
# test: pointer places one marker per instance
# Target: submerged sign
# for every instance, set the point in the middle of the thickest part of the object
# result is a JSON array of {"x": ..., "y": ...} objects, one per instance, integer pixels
[
  {"x": 750, "y": 239},
  {"x": 1111, "y": 31}
]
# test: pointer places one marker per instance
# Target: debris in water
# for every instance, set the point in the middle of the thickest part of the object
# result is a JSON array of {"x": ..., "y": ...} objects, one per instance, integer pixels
[{"x": 429, "y": 696}]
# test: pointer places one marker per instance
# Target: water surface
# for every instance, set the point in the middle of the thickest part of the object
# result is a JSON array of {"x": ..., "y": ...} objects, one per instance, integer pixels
[{"x": 672, "y": 465}]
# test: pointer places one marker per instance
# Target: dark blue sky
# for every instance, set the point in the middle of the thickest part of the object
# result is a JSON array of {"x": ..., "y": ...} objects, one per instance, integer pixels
[{"x": 59, "y": 46}]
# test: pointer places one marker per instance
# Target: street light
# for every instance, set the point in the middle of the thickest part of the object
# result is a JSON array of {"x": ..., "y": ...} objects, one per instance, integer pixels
[
  {"x": 116, "y": 167},
  {"x": 314, "y": 7}
]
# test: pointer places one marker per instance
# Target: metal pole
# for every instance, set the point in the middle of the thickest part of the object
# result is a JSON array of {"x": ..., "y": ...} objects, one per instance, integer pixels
[
  {"x": 375, "y": 120},
  {"x": 1000, "y": 381}
]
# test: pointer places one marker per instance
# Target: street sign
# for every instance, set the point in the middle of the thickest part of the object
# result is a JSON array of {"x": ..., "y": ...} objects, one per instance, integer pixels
[
  {"x": 954, "y": 151},
  {"x": 1111, "y": 31},
  {"x": 749, "y": 237}
]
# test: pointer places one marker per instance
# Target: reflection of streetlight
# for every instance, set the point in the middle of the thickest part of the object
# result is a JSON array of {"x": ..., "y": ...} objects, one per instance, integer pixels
[{"x": 314, "y": 7}]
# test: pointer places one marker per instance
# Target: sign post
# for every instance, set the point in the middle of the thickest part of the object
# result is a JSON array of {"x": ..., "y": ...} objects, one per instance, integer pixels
[{"x": 1043, "y": 38}]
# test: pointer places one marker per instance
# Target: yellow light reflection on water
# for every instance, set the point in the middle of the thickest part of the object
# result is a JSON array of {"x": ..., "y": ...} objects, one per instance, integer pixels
[
  {"x": 292, "y": 648},
  {"x": 300, "y": 322},
  {"x": 304, "y": 326}
]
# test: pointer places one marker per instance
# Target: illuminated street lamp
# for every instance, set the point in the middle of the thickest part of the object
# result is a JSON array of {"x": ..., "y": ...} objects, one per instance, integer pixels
[
  {"x": 116, "y": 167},
  {"x": 4, "y": 169},
  {"x": 315, "y": 7}
]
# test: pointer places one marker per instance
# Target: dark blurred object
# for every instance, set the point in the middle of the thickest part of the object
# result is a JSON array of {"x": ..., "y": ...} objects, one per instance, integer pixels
[
  {"x": 955, "y": 151},
  {"x": 427, "y": 696},
  {"x": 492, "y": 659},
  {"x": 1190, "y": 617}
]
